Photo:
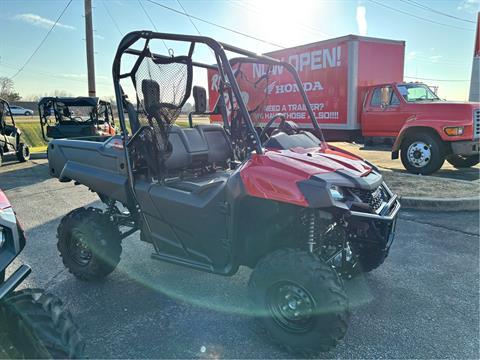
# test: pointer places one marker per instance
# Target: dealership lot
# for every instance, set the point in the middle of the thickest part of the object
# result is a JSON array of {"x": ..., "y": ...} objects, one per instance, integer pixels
[{"x": 422, "y": 303}]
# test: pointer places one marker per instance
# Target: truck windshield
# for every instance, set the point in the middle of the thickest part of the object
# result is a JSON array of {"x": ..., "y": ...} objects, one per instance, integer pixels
[{"x": 417, "y": 92}]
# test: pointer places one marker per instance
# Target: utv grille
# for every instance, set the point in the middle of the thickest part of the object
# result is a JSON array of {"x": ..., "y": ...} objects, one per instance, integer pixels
[
  {"x": 374, "y": 198},
  {"x": 476, "y": 123}
]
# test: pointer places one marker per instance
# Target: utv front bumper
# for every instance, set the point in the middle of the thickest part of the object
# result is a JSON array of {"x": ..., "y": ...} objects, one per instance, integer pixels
[
  {"x": 387, "y": 213},
  {"x": 14, "y": 280}
]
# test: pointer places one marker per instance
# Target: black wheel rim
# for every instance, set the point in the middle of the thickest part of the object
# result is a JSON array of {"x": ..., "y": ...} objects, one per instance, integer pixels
[
  {"x": 291, "y": 307},
  {"x": 26, "y": 152},
  {"x": 78, "y": 250}
]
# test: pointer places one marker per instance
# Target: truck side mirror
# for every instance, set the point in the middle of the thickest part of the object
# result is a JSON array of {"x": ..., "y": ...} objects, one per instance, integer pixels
[{"x": 200, "y": 98}]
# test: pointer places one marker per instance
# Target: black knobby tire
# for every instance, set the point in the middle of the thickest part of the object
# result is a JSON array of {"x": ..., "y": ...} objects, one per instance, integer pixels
[
  {"x": 435, "y": 147},
  {"x": 461, "y": 161},
  {"x": 23, "y": 152},
  {"x": 38, "y": 326},
  {"x": 320, "y": 291},
  {"x": 370, "y": 255},
  {"x": 91, "y": 231}
]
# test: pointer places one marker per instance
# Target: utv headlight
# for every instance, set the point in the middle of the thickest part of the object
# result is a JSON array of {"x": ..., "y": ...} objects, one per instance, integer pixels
[
  {"x": 337, "y": 193},
  {"x": 2, "y": 238}
]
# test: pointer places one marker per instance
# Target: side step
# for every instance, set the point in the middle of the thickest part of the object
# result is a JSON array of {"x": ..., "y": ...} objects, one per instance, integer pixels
[{"x": 180, "y": 261}]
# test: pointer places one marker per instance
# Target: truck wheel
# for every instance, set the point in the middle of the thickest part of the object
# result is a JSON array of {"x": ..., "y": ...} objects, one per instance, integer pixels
[
  {"x": 89, "y": 244},
  {"x": 23, "y": 152},
  {"x": 300, "y": 301},
  {"x": 422, "y": 154},
  {"x": 461, "y": 161},
  {"x": 37, "y": 326}
]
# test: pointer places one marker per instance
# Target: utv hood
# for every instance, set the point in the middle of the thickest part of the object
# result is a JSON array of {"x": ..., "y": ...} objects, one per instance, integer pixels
[{"x": 291, "y": 175}]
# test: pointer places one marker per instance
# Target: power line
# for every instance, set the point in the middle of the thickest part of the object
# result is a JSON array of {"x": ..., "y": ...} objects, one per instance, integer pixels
[
  {"x": 43, "y": 40},
  {"x": 43, "y": 73},
  {"x": 217, "y": 25},
  {"x": 448, "y": 80},
  {"x": 153, "y": 24},
  {"x": 428, "y": 8},
  {"x": 252, "y": 8},
  {"x": 111, "y": 18},
  {"x": 418, "y": 17},
  {"x": 189, "y": 18}
]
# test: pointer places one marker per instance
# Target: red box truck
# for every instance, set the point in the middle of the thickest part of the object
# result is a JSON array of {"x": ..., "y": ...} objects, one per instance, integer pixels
[{"x": 356, "y": 90}]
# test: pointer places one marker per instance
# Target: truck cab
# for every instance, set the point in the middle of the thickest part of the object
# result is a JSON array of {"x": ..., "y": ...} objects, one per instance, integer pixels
[{"x": 427, "y": 130}]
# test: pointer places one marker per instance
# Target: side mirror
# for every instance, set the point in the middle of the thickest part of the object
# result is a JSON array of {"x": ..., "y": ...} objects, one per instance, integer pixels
[{"x": 200, "y": 98}]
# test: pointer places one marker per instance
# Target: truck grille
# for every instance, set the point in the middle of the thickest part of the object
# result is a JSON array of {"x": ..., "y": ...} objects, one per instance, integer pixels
[
  {"x": 476, "y": 123},
  {"x": 374, "y": 198}
]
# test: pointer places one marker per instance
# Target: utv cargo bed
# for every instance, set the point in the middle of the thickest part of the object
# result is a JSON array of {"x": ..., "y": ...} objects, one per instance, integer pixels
[{"x": 96, "y": 162}]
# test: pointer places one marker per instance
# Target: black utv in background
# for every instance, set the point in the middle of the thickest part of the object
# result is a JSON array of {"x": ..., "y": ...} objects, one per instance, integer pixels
[
  {"x": 10, "y": 136},
  {"x": 67, "y": 117}
]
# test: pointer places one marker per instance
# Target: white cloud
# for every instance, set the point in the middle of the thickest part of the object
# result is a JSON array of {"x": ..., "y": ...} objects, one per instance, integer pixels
[
  {"x": 362, "y": 20},
  {"x": 99, "y": 37},
  {"x": 435, "y": 58},
  {"x": 471, "y": 6},
  {"x": 411, "y": 55},
  {"x": 39, "y": 21}
]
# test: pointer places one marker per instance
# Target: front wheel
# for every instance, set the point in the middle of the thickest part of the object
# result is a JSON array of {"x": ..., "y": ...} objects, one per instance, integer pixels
[
  {"x": 89, "y": 244},
  {"x": 300, "y": 301},
  {"x": 35, "y": 325},
  {"x": 422, "y": 153},
  {"x": 23, "y": 152},
  {"x": 462, "y": 161}
]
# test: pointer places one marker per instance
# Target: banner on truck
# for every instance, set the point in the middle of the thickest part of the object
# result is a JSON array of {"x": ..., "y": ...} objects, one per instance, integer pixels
[{"x": 268, "y": 90}]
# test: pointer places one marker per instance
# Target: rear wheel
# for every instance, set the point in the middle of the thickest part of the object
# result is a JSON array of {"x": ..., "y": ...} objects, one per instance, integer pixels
[
  {"x": 462, "y": 161},
  {"x": 422, "y": 153},
  {"x": 23, "y": 152},
  {"x": 300, "y": 301},
  {"x": 35, "y": 325},
  {"x": 89, "y": 244}
]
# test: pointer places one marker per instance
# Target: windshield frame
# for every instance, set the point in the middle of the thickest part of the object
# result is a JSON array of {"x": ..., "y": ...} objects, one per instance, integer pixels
[
  {"x": 417, "y": 85},
  {"x": 265, "y": 60}
]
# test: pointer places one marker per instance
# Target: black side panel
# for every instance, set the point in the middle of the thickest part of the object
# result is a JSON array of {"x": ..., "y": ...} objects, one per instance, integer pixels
[{"x": 189, "y": 218}]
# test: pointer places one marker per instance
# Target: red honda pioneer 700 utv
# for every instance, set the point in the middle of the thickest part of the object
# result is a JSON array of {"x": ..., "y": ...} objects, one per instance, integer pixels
[{"x": 301, "y": 213}]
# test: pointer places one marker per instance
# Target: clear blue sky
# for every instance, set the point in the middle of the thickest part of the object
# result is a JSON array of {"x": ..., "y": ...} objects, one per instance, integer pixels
[{"x": 434, "y": 51}]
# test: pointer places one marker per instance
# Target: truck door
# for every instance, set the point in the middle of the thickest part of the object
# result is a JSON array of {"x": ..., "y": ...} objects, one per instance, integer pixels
[{"x": 383, "y": 114}]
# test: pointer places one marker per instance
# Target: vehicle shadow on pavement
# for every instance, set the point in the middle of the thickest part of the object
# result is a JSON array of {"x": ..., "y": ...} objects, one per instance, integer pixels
[{"x": 17, "y": 175}]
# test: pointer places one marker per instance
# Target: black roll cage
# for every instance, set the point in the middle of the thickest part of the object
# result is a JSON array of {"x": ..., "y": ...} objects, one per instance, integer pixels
[
  {"x": 78, "y": 101},
  {"x": 5, "y": 102},
  {"x": 224, "y": 67}
]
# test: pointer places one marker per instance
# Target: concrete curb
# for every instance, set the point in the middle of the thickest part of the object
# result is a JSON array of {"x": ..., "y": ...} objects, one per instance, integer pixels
[{"x": 441, "y": 204}]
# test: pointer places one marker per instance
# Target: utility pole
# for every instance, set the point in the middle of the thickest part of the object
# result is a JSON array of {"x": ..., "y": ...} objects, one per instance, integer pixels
[
  {"x": 475, "y": 80},
  {"x": 89, "y": 41}
]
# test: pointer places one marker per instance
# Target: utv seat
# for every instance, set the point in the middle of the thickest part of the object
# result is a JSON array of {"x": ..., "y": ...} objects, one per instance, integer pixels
[
  {"x": 197, "y": 147},
  {"x": 218, "y": 142}
]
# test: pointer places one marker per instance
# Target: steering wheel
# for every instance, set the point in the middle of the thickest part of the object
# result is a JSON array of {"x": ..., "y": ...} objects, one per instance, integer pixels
[{"x": 264, "y": 132}]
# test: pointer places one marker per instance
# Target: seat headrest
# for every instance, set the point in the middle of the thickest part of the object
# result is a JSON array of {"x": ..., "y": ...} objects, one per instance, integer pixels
[{"x": 151, "y": 95}]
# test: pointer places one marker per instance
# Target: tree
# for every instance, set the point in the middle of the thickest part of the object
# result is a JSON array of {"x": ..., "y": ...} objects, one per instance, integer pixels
[{"x": 7, "y": 90}]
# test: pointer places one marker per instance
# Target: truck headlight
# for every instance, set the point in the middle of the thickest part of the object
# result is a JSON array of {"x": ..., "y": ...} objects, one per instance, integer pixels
[
  {"x": 337, "y": 193},
  {"x": 453, "y": 130}
]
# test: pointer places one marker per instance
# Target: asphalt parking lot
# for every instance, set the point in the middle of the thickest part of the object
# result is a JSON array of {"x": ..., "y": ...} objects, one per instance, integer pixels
[{"x": 422, "y": 303}]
